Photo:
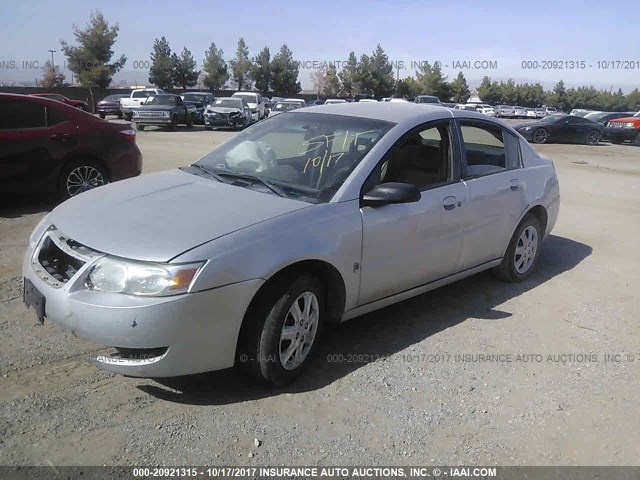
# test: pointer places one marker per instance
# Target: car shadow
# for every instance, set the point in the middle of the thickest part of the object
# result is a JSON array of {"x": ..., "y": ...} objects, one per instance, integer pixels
[
  {"x": 378, "y": 334},
  {"x": 15, "y": 206}
]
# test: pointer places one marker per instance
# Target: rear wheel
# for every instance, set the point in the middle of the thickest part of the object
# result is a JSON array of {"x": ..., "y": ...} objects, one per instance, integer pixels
[
  {"x": 80, "y": 176},
  {"x": 592, "y": 137},
  {"x": 540, "y": 136},
  {"x": 282, "y": 330},
  {"x": 522, "y": 254}
]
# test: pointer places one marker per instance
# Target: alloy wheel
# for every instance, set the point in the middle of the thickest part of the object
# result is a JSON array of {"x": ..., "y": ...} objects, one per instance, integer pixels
[
  {"x": 83, "y": 178},
  {"x": 526, "y": 249},
  {"x": 299, "y": 331}
]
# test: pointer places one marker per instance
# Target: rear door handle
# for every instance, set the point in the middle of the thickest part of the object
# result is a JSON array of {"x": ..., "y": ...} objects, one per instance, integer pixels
[
  {"x": 449, "y": 203},
  {"x": 514, "y": 184},
  {"x": 59, "y": 136}
]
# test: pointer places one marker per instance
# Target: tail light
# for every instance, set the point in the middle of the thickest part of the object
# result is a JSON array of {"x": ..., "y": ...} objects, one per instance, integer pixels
[{"x": 129, "y": 134}]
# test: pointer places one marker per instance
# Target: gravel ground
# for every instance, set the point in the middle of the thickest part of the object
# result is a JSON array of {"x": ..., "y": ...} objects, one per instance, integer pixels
[{"x": 387, "y": 388}]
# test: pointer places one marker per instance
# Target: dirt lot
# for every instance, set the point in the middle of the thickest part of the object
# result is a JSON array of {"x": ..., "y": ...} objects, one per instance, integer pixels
[{"x": 420, "y": 405}]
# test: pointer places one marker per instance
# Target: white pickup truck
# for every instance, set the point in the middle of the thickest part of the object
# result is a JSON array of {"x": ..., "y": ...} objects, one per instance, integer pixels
[{"x": 138, "y": 97}]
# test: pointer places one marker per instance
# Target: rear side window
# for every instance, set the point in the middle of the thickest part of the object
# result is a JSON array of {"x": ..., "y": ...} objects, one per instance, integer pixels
[
  {"x": 140, "y": 94},
  {"x": 55, "y": 117},
  {"x": 484, "y": 149},
  {"x": 21, "y": 114}
]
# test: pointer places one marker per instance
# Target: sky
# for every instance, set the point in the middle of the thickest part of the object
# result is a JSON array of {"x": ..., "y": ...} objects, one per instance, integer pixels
[{"x": 490, "y": 37}]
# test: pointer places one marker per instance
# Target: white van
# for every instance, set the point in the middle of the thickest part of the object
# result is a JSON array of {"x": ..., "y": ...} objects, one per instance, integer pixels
[{"x": 256, "y": 104}]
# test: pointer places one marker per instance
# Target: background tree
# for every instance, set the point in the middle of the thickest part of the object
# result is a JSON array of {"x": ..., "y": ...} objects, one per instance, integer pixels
[
  {"x": 349, "y": 75},
  {"x": 163, "y": 64},
  {"x": 215, "y": 69},
  {"x": 332, "y": 86},
  {"x": 407, "y": 88},
  {"x": 241, "y": 65},
  {"x": 285, "y": 72},
  {"x": 319, "y": 80},
  {"x": 161, "y": 73},
  {"x": 90, "y": 59},
  {"x": 558, "y": 97},
  {"x": 365, "y": 79},
  {"x": 381, "y": 73},
  {"x": 185, "y": 73},
  {"x": 489, "y": 91},
  {"x": 433, "y": 82},
  {"x": 460, "y": 89},
  {"x": 52, "y": 77},
  {"x": 260, "y": 71}
]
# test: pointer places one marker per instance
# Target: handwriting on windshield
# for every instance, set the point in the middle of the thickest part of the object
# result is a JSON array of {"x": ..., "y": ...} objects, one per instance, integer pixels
[{"x": 340, "y": 142}]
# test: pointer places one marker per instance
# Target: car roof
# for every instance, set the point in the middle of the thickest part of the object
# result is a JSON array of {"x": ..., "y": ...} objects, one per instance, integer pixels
[{"x": 407, "y": 114}]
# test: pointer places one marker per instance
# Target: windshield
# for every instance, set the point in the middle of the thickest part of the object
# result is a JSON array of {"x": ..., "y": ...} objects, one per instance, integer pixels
[
  {"x": 428, "y": 100},
  {"x": 553, "y": 118},
  {"x": 249, "y": 97},
  {"x": 194, "y": 98},
  {"x": 228, "y": 103},
  {"x": 163, "y": 100},
  {"x": 114, "y": 98},
  {"x": 307, "y": 155},
  {"x": 285, "y": 106}
]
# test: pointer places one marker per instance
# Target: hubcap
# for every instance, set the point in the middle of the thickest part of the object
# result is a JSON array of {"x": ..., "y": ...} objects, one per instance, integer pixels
[
  {"x": 299, "y": 331},
  {"x": 526, "y": 249},
  {"x": 83, "y": 178},
  {"x": 540, "y": 136},
  {"x": 593, "y": 137}
]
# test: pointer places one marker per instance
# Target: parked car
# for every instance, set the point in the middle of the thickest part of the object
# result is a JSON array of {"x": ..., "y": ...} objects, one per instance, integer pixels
[
  {"x": 299, "y": 101},
  {"x": 531, "y": 113},
  {"x": 228, "y": 112},
  {"x": 244, "y": 256},
  {"x": 255, "y": 102},
  {"x": 562, "y": 129},
  {"x": 47, "y": 146},
  {"x": 275, "y": 100},
  {"x": 81, "y": 104},
  {"x": 165, "y": 110},
  {"x": 282, "y": 107},
  {"x": 552, "y": 111},
  {"x": 505, "y": 111},
  {"x": 519, "y": 112},
  {"x": 330, "y": 101},
  {"x": 428, "y": 99},
  {"x": 201, "y": 100},
  {"x": 449, "y": 105},
  {"x": 541, "y": 113},
  {"x": 386, "y": 99},
  {"x": 605, "y": 117},
  {"x": 625, "y": 129},
  {"x": 137, "y": 98},
  {"x": 110, "y": 105},
  {"x": 485, "y": 109},
  {"x": 399, "y": 100},
  {"x": 470, "y": 107}
]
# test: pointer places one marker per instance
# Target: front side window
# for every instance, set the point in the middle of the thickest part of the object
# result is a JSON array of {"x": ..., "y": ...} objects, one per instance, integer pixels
[
  {"x": 307, "y": 155},
  {"x": 165, "y": 100}
]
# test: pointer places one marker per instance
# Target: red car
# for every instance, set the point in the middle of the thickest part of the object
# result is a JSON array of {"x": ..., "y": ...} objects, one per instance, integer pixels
[
  {"x": 82, "y": 105},
  {"x": 48, "y": 146}
]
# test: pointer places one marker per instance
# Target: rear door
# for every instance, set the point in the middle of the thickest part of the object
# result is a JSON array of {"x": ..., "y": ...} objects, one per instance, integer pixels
[{"x": 496, "y": 189}]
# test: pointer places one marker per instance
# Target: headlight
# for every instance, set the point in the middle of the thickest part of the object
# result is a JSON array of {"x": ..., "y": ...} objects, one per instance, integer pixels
[
  {"x": 114, "y": 275},
  {"x": 629, "y": 125},
  {"x": 37, "y": 233},
  {"x": 165, "y": 114},
  {"x": 135, "y": 113}
]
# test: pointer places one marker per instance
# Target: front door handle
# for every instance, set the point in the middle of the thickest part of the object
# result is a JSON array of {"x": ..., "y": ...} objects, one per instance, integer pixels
[
  {"x": 449, "y": 203},
  {"x": 514, "y": 184},
  {"x": 59, "y": 136}
]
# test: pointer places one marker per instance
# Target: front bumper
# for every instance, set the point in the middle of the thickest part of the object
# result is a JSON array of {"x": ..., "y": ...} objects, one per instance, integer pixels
[
  {"x": 152, "y": 121},
  {"x": 621, "y": 134},
  {"x": 211, "y": 121},
  {"x": 157, "y": 336}
]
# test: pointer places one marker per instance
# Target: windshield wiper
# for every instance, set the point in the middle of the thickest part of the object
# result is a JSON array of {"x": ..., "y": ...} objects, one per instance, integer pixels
[
  {"x": 208, "y": 172},
  {"x": 255, "y": 179}
]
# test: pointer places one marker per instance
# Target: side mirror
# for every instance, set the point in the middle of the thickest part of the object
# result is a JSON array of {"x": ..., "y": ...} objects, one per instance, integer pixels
[{"x": 390, "y": 193}]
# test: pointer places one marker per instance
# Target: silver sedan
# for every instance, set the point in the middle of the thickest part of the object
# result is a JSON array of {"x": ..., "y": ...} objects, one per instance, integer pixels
[{"x": 317, "y": 216}]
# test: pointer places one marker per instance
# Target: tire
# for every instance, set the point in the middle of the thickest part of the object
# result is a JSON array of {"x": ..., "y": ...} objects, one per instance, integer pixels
[
  {"x": 79, "y": 176},
  {"x": 102, "y": 116},
  {"x": 174, "y": 124},
  {"x": 189, "y": 121},
  {"x": 262, "y": 349},
  {"x": 637, "y": 142},
  {"x": 140, "y": 127},
  {"x": 592, "y": 137},
  {"x": 128, "y": 117},
  {"x": 208, "y": 127},
  {"x": 618, "y": 142},
  {"x": 521, "y": 257},
  {"x": 540, "y": 136}
]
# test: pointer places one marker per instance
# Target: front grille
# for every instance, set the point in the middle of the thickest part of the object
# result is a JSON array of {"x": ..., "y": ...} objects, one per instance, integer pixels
[
  {"x": 58, "y": 264},
  {"x": 58, "y": 258},
  {"x": 150, "y": 114},
  {"x": 219, "y": 116}
]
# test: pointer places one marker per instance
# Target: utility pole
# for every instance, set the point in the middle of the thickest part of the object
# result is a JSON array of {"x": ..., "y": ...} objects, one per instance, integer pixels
[{"x": 53, "y": 65}]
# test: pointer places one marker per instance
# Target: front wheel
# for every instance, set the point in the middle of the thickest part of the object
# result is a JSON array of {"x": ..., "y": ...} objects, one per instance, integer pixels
[
  {"x": 174, "y": 124},
  {"x": 540, "y": 136},
  {"x": 140, "y": 127},
  {"x": 281, "y": 331},
  {"x": 189, "y": 121},
  {"x": 592, "y": 137},
  {"x": 522, "y": 254}
]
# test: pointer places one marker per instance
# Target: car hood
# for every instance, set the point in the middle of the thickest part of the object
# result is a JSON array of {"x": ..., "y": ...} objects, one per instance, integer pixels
[
  {"x": 158, "y": 216},
  {"x": 223, "y": 110},
  {"x": 151, "y": 108}
]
